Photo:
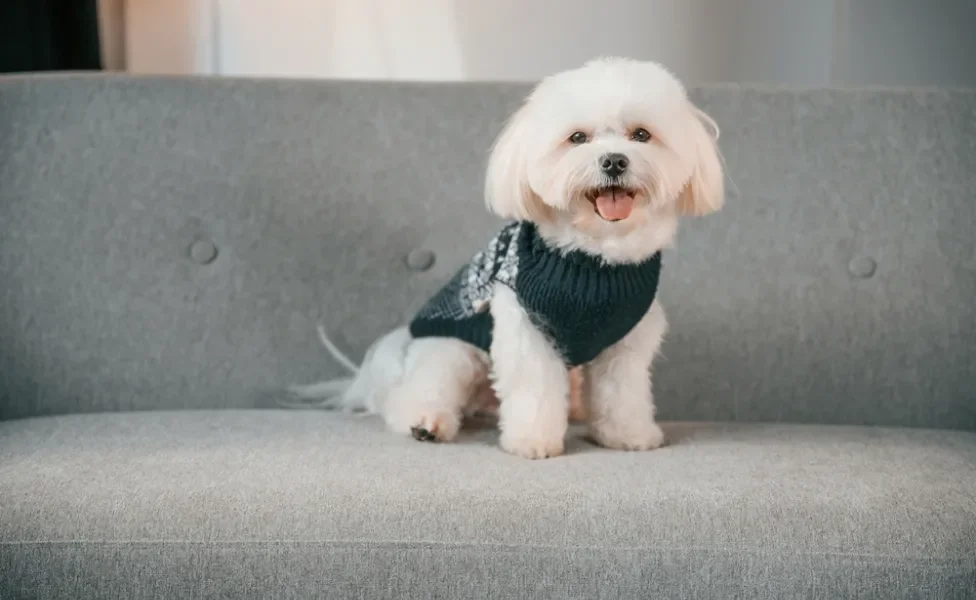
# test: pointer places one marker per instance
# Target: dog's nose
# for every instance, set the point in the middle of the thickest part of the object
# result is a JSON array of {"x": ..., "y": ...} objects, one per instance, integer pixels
[{"x": 614, "y": 164}]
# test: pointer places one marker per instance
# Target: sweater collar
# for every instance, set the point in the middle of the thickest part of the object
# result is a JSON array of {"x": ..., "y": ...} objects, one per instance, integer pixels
[{"x": 543, "y": 251}]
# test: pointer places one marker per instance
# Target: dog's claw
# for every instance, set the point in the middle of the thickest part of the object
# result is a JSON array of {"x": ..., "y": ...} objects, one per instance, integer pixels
[{"x": 422, "y": 435}]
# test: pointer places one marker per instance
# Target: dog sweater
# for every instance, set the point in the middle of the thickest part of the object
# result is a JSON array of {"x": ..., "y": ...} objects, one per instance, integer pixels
[{"x": 582, "y": 304}]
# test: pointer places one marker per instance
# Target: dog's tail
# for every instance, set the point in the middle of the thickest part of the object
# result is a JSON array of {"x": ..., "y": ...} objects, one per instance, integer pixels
[{"x": 368, "y": 385}]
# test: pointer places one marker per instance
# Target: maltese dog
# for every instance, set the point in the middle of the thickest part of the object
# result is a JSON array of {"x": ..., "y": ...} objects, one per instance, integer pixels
[{"x": 592, "y": 173}]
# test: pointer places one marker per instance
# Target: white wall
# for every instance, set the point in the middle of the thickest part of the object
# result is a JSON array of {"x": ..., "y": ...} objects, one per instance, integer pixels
[
  {"x": 911, "y": 42},
  {"x": 341, "y": 38},
  {"x": 111, "y": 31},
  {"x": 804, "y": 42},
  {"x": 172, "y": 36}
]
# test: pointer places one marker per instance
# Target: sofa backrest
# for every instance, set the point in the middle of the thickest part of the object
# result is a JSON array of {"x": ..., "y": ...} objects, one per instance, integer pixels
[{"x": 172, "y": 243}]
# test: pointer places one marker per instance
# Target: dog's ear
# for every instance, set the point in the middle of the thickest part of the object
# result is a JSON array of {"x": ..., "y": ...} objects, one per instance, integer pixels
[
  {"x": 507, "y": 190},
  {"x": 705, "y": 191}
]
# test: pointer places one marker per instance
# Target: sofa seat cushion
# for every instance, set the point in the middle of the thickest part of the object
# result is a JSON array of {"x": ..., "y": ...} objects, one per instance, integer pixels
[{"x": 316, "y": 504}]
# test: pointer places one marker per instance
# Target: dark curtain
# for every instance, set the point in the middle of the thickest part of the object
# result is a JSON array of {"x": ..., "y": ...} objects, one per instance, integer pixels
[{"x": 49, "y": 35}]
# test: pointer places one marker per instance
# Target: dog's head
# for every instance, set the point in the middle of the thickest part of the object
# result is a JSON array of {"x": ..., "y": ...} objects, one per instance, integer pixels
[{"x": 605, "y": 157}]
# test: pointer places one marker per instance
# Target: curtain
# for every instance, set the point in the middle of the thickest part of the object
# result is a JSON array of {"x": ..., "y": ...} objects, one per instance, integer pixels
[{"x": 49, "y": 35}]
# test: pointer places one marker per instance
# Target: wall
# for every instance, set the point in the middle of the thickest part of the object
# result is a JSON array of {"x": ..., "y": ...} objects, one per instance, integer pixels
[
  {"x": 911, "y": 42},
  {"x": 111, "y": 31},
  {"x": 801, "y": 42},
  {"x": 173, "y": 36}
]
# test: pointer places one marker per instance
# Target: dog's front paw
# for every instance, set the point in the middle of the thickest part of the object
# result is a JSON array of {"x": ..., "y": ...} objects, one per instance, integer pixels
[
  {"x": 533, "y": 447},
  {"x": 628, "y": 437}
]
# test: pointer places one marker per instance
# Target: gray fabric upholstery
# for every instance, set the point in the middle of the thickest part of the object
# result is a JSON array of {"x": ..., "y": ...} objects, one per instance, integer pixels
[
  {"x": 314, "y": 192},
  {"x": 263, "y": 504},
  {"x": 170, "y": 243}
]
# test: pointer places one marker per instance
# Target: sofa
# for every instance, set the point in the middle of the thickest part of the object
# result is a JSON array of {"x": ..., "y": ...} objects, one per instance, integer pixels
[{"x": 169, "y": 245}]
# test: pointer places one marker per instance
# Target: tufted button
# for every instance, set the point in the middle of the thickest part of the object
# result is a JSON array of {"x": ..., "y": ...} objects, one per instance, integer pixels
[
  {"x": 203, "y": 252},
  {"x": 420, "y": 260},
  {"x": 862, "y": 267}
]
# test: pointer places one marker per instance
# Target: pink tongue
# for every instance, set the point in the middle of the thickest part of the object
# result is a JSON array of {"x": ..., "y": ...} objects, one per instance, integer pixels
[{"x": 614, "y": 205}]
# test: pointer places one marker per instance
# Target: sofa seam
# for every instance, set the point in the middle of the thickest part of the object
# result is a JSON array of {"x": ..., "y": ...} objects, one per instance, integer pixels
[{"x": 392, "y": 544}]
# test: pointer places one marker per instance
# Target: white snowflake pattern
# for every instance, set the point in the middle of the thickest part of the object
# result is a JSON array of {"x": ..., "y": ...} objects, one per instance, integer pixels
[{"x": 470, "y": 291}]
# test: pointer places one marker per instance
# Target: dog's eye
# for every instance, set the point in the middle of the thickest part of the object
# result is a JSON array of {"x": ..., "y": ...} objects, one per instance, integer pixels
[
  {"x": 640, "y": 135},
  {"x": 578, "y": 137}
]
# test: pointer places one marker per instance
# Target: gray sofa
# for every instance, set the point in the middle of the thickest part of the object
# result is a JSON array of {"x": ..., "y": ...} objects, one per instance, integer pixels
[{"x": 167, "y": 247}]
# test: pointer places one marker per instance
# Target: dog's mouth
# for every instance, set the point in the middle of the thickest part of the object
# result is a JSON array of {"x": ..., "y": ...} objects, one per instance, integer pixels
[{"x": 612, "y": 203}]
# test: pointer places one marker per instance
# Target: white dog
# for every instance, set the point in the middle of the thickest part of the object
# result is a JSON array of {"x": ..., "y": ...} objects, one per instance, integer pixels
[{"x": 593, "y": 171}]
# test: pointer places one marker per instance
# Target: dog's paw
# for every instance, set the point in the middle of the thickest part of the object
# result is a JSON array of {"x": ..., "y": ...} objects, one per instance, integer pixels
[
  {"x": 436, "y": 427},
  {"x": 533, "y": 447},
  {"x": 648, "y": 437},
  {"x": 423, "y": 423}
]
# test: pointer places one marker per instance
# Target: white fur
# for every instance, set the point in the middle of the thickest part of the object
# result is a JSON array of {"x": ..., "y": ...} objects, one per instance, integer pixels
[
  {"x": 382, "y": 368},
  {"x": 534, "y": 173},
  {"x": 530, "y": 378},
  {"x": 618, "y": 394},
  {"x": 443, "y": 376}
]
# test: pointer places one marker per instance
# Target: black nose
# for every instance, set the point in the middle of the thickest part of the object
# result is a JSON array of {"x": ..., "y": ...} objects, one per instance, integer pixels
[{"x": 614, "y": 164}]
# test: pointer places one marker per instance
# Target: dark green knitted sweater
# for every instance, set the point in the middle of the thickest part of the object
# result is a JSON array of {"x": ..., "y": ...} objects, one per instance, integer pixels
[{"x": 581, "y": 303}]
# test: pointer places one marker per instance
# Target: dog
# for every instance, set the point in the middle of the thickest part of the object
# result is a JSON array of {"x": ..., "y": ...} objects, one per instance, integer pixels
[{"x": 592, "y": 173}]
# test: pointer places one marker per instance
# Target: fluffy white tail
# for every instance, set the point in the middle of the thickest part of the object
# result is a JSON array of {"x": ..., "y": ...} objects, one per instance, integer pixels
[{"x": 366, "y": 390}]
